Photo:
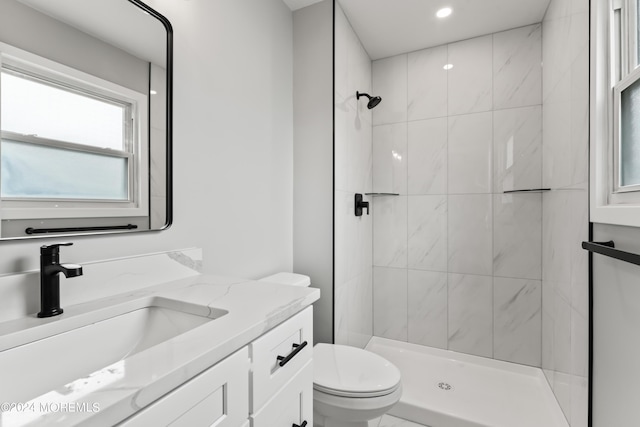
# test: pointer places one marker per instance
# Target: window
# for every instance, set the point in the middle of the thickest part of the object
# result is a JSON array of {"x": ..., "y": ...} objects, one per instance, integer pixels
[
  {"x": 627, "y": 107},
  {"x": 72, "y": 145},
  {"x": 615, "y": 104}
]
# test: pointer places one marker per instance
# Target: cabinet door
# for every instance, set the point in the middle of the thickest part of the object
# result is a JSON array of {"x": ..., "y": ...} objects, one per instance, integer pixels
[
  {"x": 218, "y": 396},
  {"x": 293, "y": 404},
  {"x": 292, "y": 342}
]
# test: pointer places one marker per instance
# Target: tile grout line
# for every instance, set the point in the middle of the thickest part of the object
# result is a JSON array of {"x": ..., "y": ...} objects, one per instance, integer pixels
[
  {"x": 447, "y": 328},
  {"x": 373, "y": 219},
  {"x": 491, "y": 205},
  {"x": 406, "y": 189},
  {"x": 446, "y": 254},
  {"x": 542, "y": 198},
  {"x": 447, "y": 115}
]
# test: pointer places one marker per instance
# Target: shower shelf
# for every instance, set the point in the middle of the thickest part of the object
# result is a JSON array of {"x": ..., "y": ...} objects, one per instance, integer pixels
[
  {"x": 381, "y": 194},
  {"x": 529, "y": 190}
]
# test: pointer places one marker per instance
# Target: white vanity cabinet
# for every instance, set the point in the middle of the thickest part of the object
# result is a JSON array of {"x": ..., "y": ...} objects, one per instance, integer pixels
[
  {"x": 283, "y": 395},
  {"x": 292, "y": 405},
  {"x": 216, "y": 397},
  {"x": 250, "y": 388}
]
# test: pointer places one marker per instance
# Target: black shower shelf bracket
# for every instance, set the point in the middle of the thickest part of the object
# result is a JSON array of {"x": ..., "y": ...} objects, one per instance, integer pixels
[
  {"x": 609, "y": 249},
  {"x": 381, "y": 194},
  {"x": 528, "y": 190}
]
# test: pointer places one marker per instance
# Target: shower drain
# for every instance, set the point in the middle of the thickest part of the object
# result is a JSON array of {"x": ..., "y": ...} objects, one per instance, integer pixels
[{"x": 445, "y": 386}]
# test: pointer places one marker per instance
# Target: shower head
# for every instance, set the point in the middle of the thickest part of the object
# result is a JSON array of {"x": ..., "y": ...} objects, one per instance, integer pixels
[{"x": 373, "y": 100}]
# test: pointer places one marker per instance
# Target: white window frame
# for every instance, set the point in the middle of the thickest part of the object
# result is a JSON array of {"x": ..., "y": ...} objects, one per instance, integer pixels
[
  {"x": 613, "y": 58},
  {"x": 138, "y": 203}
]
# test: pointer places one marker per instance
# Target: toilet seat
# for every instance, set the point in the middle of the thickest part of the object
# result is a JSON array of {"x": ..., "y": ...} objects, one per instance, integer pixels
[{"x": 352, "y": 372}]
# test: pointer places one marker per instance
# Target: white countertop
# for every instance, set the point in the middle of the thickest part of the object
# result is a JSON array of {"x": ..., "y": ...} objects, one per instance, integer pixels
[{"x": 253, "y": 308}]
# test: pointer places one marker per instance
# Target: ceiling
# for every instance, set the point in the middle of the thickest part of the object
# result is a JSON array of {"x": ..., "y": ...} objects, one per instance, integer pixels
[{"x": 391, "y": 27}]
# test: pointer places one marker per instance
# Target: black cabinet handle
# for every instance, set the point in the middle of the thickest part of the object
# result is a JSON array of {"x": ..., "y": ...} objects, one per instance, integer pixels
[
  {"x": 296, "y": 349},
  {"x": 304, "y": 424}
]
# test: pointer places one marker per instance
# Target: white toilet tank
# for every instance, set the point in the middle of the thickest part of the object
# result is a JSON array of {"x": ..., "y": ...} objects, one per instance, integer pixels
[{"x": 291, "y": 279}]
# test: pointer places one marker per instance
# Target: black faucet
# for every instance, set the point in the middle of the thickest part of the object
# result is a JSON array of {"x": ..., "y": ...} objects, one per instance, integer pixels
[{"x": 50, "y": 267}]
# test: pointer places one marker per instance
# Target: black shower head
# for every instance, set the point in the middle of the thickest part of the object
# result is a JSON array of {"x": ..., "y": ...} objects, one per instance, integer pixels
[{"x": 373, "y": 100}]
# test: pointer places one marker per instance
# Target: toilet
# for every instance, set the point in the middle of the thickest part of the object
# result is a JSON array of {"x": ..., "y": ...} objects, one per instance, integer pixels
[{"x": 350, "y": 386}]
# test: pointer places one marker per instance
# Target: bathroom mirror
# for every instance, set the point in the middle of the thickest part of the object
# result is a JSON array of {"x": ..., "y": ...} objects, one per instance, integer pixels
[{"x": 85, "y": 116}]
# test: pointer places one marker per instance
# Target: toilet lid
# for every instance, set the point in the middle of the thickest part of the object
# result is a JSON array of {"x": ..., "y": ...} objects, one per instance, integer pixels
[
  {"x": 284, "y": 278},
  {"x": 348, "y": 371}
]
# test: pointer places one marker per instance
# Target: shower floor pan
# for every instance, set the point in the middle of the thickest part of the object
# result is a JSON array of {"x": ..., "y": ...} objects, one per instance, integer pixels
[{"x": 448, "y": 389}]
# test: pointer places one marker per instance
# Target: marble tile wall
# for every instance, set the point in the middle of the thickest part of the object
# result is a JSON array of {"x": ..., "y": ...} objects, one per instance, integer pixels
[
  {"x": 457, "y": 263},
  {"x": 353, "y": 174},
  {"x": 565, "y": 118}
]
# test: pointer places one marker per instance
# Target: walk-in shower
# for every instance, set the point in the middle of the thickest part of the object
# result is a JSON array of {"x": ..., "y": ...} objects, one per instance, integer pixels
[{"x": 471, "y": 286}]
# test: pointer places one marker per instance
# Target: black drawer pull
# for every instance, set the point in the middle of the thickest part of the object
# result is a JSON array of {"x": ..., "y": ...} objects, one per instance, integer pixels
[
  {"x": 285, "y": 359},
  {"x": 304, "y": 424}
]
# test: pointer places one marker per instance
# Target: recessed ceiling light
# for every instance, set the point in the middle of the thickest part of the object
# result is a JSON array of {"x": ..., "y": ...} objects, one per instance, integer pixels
[
  {"x": 444, "y": 12},
  {"x": 448, "y": 66}
]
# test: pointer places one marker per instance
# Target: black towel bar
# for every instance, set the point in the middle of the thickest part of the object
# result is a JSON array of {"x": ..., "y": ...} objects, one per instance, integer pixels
[
  {"x": 608, "y": 249},
  {"x": 32, "y": 230}
]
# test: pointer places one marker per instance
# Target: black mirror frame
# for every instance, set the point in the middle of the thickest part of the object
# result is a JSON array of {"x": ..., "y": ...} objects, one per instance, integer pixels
[
  {"x": 169, "y": 125},
  {"x": 93, "y": 231}
]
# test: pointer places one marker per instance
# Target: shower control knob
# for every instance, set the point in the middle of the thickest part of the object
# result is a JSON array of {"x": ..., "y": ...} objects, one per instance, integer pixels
[{"x": 360, "y": 205}]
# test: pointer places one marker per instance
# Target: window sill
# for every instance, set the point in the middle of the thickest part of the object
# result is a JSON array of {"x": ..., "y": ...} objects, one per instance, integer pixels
[{"x": 627, "y": 215}]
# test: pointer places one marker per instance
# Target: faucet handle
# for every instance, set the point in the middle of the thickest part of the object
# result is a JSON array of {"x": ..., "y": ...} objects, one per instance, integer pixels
[{"x": 53, "y": 249}]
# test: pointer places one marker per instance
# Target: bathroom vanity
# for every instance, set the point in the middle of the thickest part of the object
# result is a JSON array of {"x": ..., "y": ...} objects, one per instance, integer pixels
[
  {"x": 201, "y": 350},
  {"x": 249, "y": 383}
]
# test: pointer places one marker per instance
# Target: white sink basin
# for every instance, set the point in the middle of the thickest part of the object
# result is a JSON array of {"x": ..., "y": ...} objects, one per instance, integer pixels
[{"x": 90, "y": 352}]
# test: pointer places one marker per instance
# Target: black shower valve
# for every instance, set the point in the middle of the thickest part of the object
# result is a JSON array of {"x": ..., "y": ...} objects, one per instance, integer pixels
[{"x": 360, "y": 205}]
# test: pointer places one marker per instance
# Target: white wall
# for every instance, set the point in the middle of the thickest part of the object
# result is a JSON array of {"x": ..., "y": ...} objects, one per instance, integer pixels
[
  {"x": 616, "y": 284},
  {"x": 313, "y": 157},
  {"x": 616, "y": 316},
  {"x": 353, "y": 174},
  {"x": 233, "y": 144}
]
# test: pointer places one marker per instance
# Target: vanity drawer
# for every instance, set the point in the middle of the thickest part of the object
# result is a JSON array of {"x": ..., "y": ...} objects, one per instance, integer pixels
[
  {"x": 292, "y": 405},
  {"x": 286, "y": 341},
  {"x": 218, "y": 396}
]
